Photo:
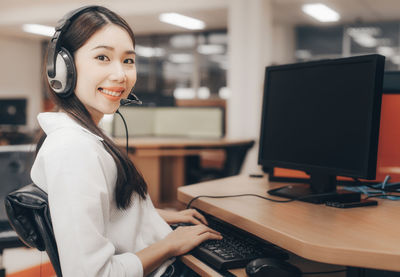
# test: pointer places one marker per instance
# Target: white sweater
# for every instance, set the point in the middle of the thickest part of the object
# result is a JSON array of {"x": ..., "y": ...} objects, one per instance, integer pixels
[{"x": 94, "y": 238}]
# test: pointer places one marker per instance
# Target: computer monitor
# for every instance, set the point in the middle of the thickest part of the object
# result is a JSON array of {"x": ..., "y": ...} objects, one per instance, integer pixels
[
  {"x": 322, "y": 117},
  {"x": 388, "y": 162}
]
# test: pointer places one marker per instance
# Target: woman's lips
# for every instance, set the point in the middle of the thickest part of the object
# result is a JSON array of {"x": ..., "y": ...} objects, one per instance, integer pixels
[{"x": 114, "y": 94}]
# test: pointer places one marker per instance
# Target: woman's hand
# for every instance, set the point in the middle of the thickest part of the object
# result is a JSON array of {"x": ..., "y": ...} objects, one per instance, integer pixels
[
  {"x": 184, "y": 239},
  {"x": 184, "y": 216}
]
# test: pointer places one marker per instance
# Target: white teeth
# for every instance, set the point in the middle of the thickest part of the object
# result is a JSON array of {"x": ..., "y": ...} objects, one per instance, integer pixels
[{"x": 109, "y": 92}]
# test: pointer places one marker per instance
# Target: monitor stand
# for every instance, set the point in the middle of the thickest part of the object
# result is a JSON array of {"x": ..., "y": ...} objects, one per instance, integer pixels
[{"x": 303, "y": 192}]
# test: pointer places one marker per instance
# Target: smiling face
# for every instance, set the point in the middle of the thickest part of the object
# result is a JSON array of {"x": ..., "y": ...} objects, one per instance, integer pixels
[{"x": 106, "y": 70}]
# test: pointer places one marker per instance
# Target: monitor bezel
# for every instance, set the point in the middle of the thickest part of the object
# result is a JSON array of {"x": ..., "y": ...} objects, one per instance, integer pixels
[{"x": 369, "y": 169}]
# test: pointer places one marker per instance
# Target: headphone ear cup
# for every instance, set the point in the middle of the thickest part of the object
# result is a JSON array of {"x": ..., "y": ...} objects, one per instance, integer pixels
[{"x": 64, "y": 81}]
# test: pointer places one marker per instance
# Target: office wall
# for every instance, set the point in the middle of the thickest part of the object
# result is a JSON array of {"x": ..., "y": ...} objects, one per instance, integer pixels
[
  {"x": 283, "y": 43},
  {"x": 255, "y": 42},
  {"x": 20, "y": 73}
]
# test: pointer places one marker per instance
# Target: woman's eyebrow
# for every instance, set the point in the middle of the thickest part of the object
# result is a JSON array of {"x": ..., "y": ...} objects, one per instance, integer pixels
[
  {"x": 112, "y": 48},
  {"x": 103, "y": 46}
]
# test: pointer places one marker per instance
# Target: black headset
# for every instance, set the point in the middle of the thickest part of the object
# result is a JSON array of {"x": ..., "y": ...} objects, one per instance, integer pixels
[{"x": 60, "y": 67}]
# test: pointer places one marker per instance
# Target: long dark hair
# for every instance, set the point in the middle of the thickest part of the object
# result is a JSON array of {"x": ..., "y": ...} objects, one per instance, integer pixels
[{"x": 129, "y": 180}]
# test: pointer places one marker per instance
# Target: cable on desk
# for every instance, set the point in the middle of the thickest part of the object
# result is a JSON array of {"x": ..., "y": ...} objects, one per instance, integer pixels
[
  {"x": 324, "y": 272},
  {"x": 237, "y": 195},
  {"x": 384, "y": 186},
  {"x": 389, "y": 196},
  {"x": 256, "y": 195},
  {"x": 383, "y": 190}
]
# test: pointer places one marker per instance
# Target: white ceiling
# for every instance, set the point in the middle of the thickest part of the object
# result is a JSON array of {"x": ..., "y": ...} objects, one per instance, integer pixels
[
  {"x": 143, "y": 14},
  {"x": 350, "y": 10}
]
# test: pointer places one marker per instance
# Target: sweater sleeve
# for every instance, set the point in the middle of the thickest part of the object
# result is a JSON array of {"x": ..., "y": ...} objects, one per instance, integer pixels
[{"x": 80, "y": 200}]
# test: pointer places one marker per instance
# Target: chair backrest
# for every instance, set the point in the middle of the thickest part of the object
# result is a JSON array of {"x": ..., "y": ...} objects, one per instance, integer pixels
[
  {"x": 15, "y": 167},
  {"x": 28, "y": 212}
]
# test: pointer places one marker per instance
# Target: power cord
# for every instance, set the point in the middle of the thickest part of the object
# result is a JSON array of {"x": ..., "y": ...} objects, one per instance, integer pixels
[
  {"x": 382, "y": 190},
  {"x": 390, "y": 196},
  {"x": 237, "y": 195}
]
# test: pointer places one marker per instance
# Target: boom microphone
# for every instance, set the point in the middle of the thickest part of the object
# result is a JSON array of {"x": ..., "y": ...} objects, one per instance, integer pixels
[{"x": 132, "y": 99}]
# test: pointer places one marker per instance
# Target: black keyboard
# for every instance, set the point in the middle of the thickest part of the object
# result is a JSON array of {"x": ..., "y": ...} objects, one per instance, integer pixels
[{"x": 236, "y": 249}]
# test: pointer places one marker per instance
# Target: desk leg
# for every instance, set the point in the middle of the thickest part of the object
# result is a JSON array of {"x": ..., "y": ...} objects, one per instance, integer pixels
[
  {"x": 150, "y": 167},
  {"x": 173, "y": 176}
]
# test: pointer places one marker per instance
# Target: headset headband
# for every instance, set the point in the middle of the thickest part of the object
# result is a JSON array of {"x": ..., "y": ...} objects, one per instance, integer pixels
[{"x": 54, "y": 44}]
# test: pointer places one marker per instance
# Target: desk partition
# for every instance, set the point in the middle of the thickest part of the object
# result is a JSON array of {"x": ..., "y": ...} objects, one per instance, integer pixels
[{"x": 199, "y": 122}]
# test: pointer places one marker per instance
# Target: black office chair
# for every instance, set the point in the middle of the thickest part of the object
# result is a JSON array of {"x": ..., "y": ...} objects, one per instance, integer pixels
[
  {"x": 15, "y": 164},
  {"x": 28, "y": 212},
  {"x": 234, "y": 158}
]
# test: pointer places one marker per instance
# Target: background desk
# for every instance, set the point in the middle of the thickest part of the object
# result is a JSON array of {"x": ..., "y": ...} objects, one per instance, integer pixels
[
  {"x": 162, "y": 161},
  {"x": 366, "y": 237}
]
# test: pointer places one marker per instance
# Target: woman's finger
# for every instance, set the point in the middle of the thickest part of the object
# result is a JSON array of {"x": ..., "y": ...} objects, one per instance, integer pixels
[
  {"x": 193, "y": 220},
  {"x": 200, "y": 217},
  {"x": 208, "y": 236},
  {"x": 204, "y": 229}
]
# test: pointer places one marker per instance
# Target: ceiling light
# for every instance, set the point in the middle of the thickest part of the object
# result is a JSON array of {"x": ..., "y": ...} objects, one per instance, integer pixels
[
  {"x": 386, "y": 51},
  {"x": 303, "y": 54},
  {"x": 224, "y": 93},
  {"x": 321, "y": 12},
  {"x": 183, "y": 41},
  {"x": 366, "y": 40},
  {"x": 210, "y": 49},
  {"x": 180, "y": 58},
  {"x": 372, "y": 31},
  {"x": 203, "y": 93},
  {"x": 184, "y": 93},
  {"x": 149, "y": 52},
  {"x": 39, "y": 29},
  {"x": 182, "y": 21}
]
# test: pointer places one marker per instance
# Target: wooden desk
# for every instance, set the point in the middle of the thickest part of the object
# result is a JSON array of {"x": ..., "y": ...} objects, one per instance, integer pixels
[
  {"x": 162, "y": 160},
  {"x": 366, "y": 237}
]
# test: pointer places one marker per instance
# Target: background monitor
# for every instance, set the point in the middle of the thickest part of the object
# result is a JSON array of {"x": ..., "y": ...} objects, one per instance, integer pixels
[
  {"x": 322, "y": 117},
  {"x": 13, "y": 112},
  {"x": 391, "y": 82}
]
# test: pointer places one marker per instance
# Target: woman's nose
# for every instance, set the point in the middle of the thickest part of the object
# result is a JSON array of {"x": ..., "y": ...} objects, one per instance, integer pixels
[{"x": 118, "y": 73}]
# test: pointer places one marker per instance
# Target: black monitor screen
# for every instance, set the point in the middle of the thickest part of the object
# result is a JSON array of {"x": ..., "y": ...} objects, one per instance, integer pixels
[
  {"x": 13, "y": 111},
  {"x": 323, "y": 117}
]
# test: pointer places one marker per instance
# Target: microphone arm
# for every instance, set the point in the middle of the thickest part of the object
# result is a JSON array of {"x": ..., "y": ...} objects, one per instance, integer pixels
[{"x": 132, "y": 99}]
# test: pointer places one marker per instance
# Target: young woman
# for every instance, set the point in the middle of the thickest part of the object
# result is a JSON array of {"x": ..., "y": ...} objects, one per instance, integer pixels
[{"x": 104, "y": 221}]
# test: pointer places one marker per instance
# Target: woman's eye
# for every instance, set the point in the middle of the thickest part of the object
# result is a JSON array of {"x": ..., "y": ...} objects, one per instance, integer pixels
[
  {"x": 102, "y": 58},
  {"x": 130, "y": 60}
]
